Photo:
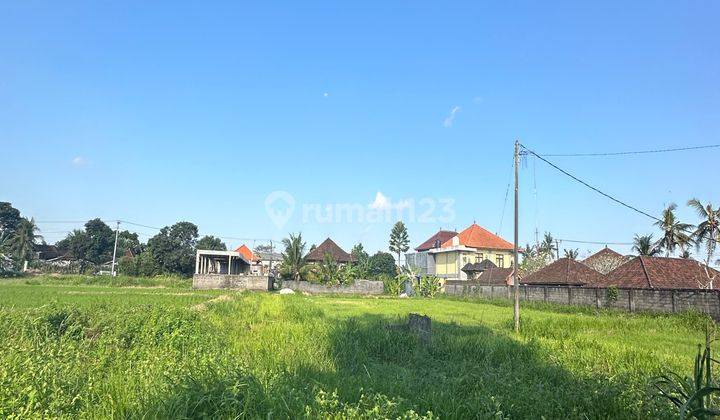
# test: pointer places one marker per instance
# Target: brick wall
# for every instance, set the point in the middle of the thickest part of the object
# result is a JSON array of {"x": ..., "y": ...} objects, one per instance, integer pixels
[
  {"x": 653, "y": 300},
  {"x": 234, "y": 281},
  {"x": 359, "y": 287}
]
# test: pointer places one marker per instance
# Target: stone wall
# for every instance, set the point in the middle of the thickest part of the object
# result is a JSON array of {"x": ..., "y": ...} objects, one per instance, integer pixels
[
  {"x": 651, "y": 300},
  {"x": 359, "y": 287},
  {"x": 234, "y": 281}
]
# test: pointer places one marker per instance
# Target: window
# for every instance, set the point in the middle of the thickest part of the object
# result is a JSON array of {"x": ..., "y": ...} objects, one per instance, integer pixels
[
  {"x": 480, "y": 257},
  {"x": 500, "y": 261}
]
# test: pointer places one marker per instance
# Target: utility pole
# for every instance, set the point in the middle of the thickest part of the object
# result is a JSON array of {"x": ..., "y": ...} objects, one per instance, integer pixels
[
  {"x": 271, "y": 258},
  {"x": 557, "y": 249},
  {"x": 516, "y": 311},
  {"x": 117, "y": 232}
]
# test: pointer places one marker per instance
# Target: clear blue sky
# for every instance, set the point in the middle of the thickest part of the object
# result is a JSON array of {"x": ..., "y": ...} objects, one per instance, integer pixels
[{"x": 157, "y": 112}]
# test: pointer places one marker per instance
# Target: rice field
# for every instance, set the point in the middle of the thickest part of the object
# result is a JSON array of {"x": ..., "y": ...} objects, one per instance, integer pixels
[{"x": 75, "y": 347}]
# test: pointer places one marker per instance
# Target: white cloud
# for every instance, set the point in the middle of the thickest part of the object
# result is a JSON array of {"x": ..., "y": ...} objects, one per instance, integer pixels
[
  {"x": 326, "y": 94},
  {"x": 451, "y": 118},
  {"x": 78, "y": 161},
  {"x": 381, "y": 202}
]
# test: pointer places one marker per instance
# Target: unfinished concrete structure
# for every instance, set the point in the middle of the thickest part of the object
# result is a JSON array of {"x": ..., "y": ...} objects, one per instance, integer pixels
[
  {"x": 227, "y": 270},
  {"x": 208, "y": 261}
]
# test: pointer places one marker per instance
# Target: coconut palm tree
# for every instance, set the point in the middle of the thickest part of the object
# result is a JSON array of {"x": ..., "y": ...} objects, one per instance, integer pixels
[
  {"x": 547, "y": 245},
  {"x": 22, "y": 241},
  {"x": 707, "y": 232},
  {"x": 674, "y": 233},
  {"x": 571, "y": 253},
  {"x": 293, "y": 259},
  {"x": 643, "y": 245}
]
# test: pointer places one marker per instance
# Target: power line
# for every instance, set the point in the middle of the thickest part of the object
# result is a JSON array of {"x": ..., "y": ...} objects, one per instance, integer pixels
[
  {"x": 622, "y": 203},
  {"x": 594, "y": 242},
  {"x": 634, "y": 152}
]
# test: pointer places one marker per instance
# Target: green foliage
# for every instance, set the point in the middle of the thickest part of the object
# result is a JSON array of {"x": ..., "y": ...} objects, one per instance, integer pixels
[
  {"x": 399, "y": 240},
  {"x": 382, "y": 263},
  {"x": 612, "y": 294},
  {"x": 375, "y": 406},
  {"x": 429, "y": 286},
  {"x": 393, "y": 285},
  {"x": 695, "y": 396},
  {"x": 21, "y": 241},
  {"x": 644, "y": 245},
  {"x": 293, "y": 265},
  {"x": 707, "y": 232},
  {"x": 328, "y": 272},
  {"x": 79, "y": 347},
  {"x": 9, "y": 217},
  {"x": 174, "y": 248},
  {"x": 211, "y": 242},
  {"x": 571, "y": 253},
  {"x": 128, "y": 266}
]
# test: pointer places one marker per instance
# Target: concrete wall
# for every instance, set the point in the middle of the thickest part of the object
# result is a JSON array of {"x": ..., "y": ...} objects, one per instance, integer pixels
[
  {"x": 234, "y": 281},
  {"x": 633, "y": 300},
  {"x": 360, "y": 287}
]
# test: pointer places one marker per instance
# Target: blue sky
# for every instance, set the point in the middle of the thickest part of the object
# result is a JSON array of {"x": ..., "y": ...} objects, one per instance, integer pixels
[{"x": 157, "y": 112}]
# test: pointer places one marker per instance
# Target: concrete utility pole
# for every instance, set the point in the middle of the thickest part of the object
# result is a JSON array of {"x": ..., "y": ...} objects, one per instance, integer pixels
[
  {"x": 117, "y": 232},
  {"x": 516, "y": 262}
]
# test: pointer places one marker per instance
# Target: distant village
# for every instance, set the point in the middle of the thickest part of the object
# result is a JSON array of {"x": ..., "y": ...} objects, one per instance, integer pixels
[{"x": 474, "y": 256}]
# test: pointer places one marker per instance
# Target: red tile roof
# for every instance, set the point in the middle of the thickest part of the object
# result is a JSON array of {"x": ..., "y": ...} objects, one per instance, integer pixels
[
  {"x": 662, "y": 273},
  {"x": 603, "y": 253},
  {"x": 246, "y": 252},
  {"x": 436, "y": 240},
  {"x": 329, "y": 247},
  {"x": 478, "y": 237},
  {"x": 564, "y": 271}
]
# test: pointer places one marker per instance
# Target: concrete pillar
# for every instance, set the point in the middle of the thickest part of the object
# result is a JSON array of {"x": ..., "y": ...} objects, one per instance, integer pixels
[
  {"x": 197, "y": 263},
  {"x": 229, "y": 264}
]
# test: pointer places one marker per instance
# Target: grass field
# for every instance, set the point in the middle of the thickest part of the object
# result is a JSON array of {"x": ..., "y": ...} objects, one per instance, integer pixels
[{"x": 87, "y": 348}]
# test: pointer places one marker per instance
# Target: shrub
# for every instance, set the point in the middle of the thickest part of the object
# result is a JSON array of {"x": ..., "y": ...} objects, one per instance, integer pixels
[
  {"x": 393, "y": 285},
  {"x": 429, "y": 286},
  {"x": 612, "y": 294}
]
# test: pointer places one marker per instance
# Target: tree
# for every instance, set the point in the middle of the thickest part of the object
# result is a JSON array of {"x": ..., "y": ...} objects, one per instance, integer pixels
[
  {"x": 643, "y": 245},
  {"x": 101, "y": 241},
  {"x": 571, "y": 253},
  {"x": 173, "y": 249},
  {"x": 674, "y": 233},
  {"x": 211, "y": 242},
  {"x": 548, "y": 246},
  {"x": 293, "y": 266},
  {"x": 75, "y": 243},
  {"x": 329, "y": 272},
  {"x": 362, "y": 261},
  {"x": 9, "y": 217},
  {"x": 128, "y": 241},
  {"x": 707, "y": 232},
  {"x": 382, "y": 263},
  {"x": 399, "y": 240},
  {"x": 22, "y": 240}
]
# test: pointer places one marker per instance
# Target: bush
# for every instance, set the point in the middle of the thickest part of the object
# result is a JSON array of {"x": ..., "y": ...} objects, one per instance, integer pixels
[
  {"x": 429, "y": 286},
  {"x": 128, "y": 266},
  {"x": 612, "y": 294},
  {"x": 393, "y": 285}
]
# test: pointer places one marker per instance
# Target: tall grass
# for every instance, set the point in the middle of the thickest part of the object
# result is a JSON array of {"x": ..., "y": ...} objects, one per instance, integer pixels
[{"x": 108, "y": 352}]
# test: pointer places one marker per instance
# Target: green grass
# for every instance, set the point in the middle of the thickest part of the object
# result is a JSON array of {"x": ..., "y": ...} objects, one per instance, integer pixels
[{"x": 74, "y": 348}]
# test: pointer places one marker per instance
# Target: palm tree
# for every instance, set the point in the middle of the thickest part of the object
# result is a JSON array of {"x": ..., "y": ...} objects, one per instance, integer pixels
[
  {"x": 329, "y": 270},
  {"x": 547, "y": 245},
  {"x": 22, "y": 241},
  {"x": 674, "y": 233},
  {"x": 707, "y": 232},
  {"x": 571, "y": 253},
  {"x": 643, "y": 245},
  {"x": 293, "y": 259}
]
